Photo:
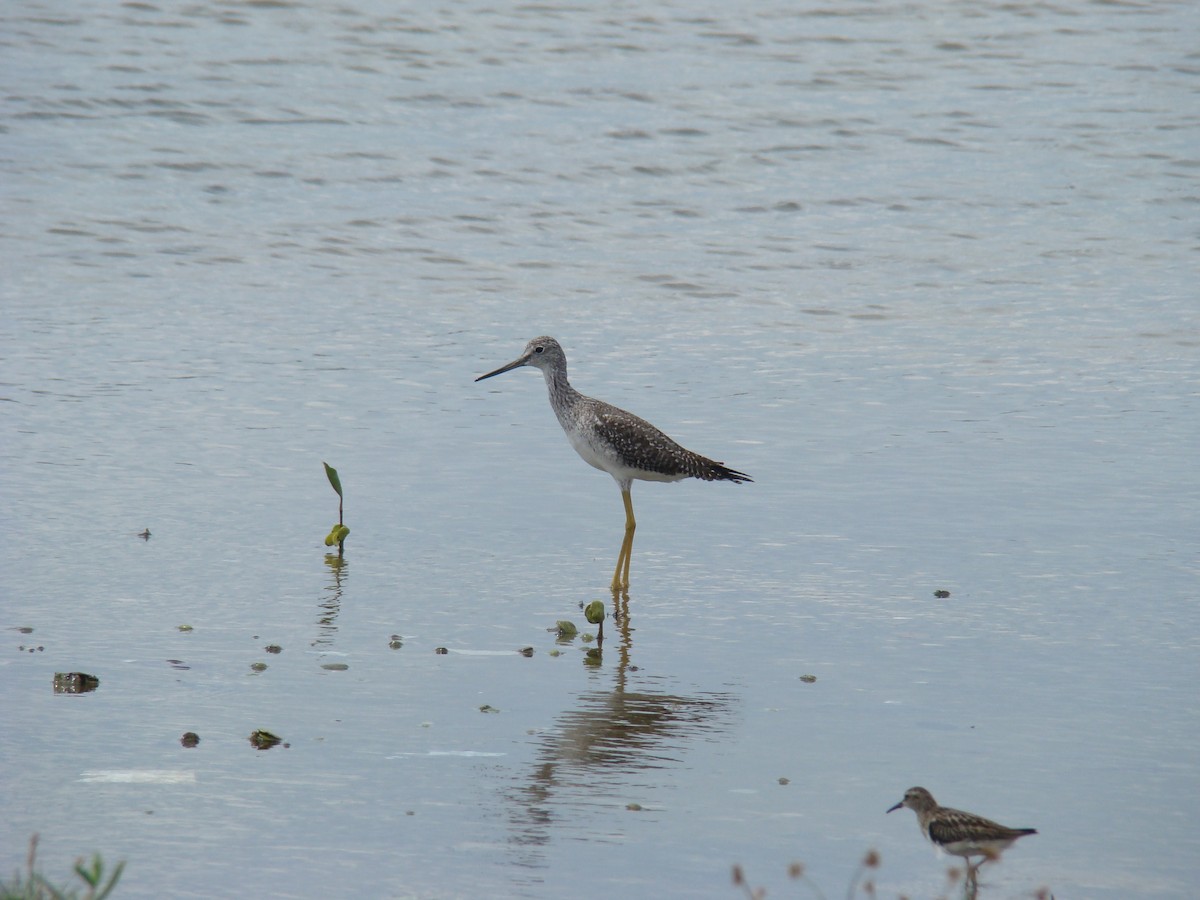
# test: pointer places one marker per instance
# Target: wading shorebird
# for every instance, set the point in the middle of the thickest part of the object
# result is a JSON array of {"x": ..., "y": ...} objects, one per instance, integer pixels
[
  {"x": 615, "y": 441},
  {"x": 960, "y": 833}
]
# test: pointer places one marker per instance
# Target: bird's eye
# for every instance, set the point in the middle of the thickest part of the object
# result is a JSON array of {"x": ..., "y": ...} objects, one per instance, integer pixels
[{"x": 539, "y": 349}]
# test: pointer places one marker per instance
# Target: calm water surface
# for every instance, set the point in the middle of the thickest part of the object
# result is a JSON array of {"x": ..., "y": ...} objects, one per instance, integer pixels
[{"x": 926, "y": 271}]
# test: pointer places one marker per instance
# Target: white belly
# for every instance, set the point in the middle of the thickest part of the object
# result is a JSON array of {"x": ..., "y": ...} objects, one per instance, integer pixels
[{"x": 603, "y": 457}]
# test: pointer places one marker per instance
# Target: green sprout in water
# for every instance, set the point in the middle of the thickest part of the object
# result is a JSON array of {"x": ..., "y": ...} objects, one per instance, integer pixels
[
  {"x": 337, "y": 534},
  {"x": 565, "y": 629},
  {"x": 594, "y": 613}
]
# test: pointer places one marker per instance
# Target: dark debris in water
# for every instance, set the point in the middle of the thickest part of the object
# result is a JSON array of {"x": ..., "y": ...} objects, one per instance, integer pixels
[
  {"x": 190, "y": 739},
  {"x": 74, "y": 682},
  {"x": 941, "y": 594},
  {"x": 264, "y": 740}
]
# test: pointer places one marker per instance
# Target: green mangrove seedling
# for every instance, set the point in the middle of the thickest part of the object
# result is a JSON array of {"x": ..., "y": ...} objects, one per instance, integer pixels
[
  {"x": 337, "y": 534},
  {"x": 566, "y": 629},
  {"x": 594, "y": 613}
]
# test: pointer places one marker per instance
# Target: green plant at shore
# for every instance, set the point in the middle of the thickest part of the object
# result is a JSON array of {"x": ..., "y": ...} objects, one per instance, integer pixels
[{"x": 33, "y": 886}]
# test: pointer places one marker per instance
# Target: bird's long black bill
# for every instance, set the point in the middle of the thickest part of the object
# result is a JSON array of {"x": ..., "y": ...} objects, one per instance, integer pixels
[
  {"x": 500, "y": 371},
  {"x": 897, "y": 806}
]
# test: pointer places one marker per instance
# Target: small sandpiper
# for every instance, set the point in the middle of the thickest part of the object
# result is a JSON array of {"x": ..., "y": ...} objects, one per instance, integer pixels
[{"x": 960, "y": 833}]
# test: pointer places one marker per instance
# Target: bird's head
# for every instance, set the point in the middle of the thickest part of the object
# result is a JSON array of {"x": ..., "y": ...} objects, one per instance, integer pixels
[
  {"x": 543, "y": 352},
  {"x": 916, "y": 798}
]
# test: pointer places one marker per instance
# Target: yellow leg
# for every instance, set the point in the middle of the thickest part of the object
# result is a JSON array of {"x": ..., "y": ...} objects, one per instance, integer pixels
[{"x": 620, "y": 580}]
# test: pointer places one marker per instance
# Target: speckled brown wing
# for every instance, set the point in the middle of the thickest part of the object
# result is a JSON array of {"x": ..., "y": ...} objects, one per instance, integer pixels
[
  {"x": 950, "y": 826},
  {"x": 645, "y": 447}
]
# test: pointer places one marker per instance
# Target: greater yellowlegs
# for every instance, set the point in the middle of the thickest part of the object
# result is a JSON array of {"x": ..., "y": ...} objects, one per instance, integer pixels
[
  {"x": 960, "y": 833},
  {"x": 615, "y": 441}
]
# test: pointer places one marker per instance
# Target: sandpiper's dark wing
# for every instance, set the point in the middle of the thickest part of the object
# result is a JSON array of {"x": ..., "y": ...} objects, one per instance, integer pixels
[
  {"x": 950, "y": 826},
  {"x": 642, "y": 446}
]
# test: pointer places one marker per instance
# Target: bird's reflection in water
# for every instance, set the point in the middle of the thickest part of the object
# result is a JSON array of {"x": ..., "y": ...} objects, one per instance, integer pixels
[{"x": 603, "y": 749}]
